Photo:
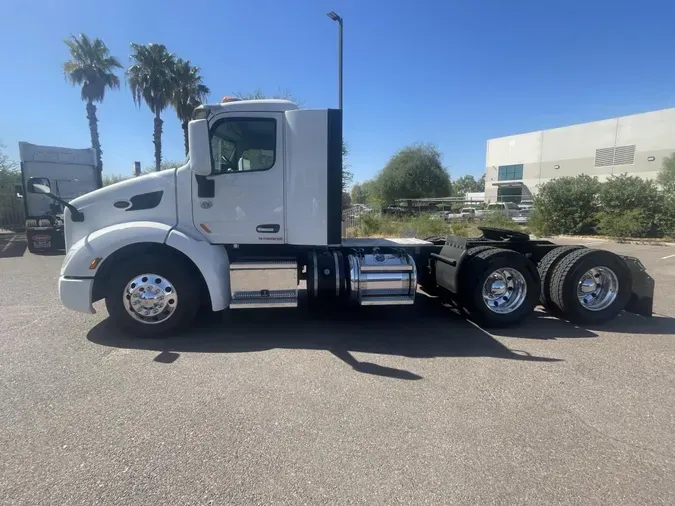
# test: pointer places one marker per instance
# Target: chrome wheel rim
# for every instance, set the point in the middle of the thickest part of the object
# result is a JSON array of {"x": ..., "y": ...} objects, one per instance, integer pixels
[
  {"x": 597, "y": 288},
  {"x": 504, "y": 291},
  {"x": 150, "y": 298}
]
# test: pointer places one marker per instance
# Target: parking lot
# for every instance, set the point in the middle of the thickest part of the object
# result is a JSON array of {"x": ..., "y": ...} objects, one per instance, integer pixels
[{"x": 373, "y": 406}]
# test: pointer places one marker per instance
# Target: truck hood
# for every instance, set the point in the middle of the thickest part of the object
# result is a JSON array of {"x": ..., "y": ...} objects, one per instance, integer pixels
[{"x": 151, "y": 197}]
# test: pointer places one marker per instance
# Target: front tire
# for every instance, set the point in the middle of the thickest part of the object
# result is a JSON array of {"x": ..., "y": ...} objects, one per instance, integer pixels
[{"x": 152, "y": 297}]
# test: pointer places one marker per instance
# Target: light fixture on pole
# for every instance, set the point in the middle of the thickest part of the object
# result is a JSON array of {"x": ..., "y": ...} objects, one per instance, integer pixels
[{"x": 337, "y": 18}]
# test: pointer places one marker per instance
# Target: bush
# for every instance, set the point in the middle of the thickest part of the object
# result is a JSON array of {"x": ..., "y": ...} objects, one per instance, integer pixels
[
  {"x": 620, "y": 195},
  {"x": 538, "y": 223},
  {"x": 622, "y": 224},
  {"x": 370, "y": 224},
  {"x": 567, "y": 205},
  {"x": 666, "y": 219},
  {"x": 498, "y": 220},
  {"x": 460, "y": 228}
]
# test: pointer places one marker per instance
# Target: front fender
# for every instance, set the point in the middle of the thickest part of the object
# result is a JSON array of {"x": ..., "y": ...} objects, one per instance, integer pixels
[
  {"x": 212, "y": 261},
  {"x": 102, "y": 243}
]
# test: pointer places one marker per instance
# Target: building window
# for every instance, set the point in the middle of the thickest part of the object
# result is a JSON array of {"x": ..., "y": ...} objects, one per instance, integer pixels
[
  {"x": 509, "y": 172},
  {"x": 620, "y": 155},
  {"x": 510, "y": 194}
]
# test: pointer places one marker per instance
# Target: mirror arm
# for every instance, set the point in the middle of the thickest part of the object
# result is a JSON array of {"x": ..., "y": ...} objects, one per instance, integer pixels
[{"x": 75, "y": 214}]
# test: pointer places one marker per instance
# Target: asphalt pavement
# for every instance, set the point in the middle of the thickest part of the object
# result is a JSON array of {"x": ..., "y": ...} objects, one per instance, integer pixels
[{"x": 371, "y": 406}]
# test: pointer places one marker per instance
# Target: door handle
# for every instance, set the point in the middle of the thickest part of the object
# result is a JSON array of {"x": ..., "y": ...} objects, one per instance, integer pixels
[{"x": 268, "y": 228}]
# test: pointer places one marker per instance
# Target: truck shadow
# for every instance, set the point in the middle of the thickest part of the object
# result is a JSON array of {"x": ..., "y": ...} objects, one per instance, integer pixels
[
  {"x": 544, "y": 326},
  {"x": 425, "y": 330}
]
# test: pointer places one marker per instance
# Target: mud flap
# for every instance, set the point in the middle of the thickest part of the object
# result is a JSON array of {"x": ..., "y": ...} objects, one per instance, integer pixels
[
  {"x": 642, "y": 298},
  {"x": 449, "y": 261}
]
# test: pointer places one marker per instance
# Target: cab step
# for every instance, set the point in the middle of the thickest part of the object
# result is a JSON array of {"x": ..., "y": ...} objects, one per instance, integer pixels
[{"x": 258, "y": 284}]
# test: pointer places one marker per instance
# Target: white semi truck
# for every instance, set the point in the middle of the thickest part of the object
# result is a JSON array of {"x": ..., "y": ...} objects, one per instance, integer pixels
[
  {"x": 257, "y": 208},
  {"x": 68, "y": 173}
]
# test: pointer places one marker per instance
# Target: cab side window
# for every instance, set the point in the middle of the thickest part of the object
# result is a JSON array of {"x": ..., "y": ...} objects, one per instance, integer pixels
[{"x": 243, "y": 145}]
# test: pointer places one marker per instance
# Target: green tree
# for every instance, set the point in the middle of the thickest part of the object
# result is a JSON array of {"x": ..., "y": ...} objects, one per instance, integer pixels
[
  {"x": 631, "y": 199},
  {"x": 373, "y": 193},
  {"x": 358, "y": 195},
  {"x": 346, "y": 200},
  {"x": 91, "y": 67},
  {"x": 188, "y": 93},
  {"x": 567, "y": 205},
  {"x": 467, "y": 184},
  {"x": 9, "y": 175},
  {"x": 414, "y": 172},
  {"x": 666, "y": 177},
  {"x": 666, "y": 180},
  {"x": 150, "y": 79},
  {"x": 347, "y": 176},
  {"x": 281, "y": 94}
]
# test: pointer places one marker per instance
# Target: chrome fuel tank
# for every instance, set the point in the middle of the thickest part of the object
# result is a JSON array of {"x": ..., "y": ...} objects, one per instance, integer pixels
[{"x": 383, "y": 277}]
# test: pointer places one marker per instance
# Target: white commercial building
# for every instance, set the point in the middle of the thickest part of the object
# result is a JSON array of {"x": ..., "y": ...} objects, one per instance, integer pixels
[{"x": 516, "y": 165}]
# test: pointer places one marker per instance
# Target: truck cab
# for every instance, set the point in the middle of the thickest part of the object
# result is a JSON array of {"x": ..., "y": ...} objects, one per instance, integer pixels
[{"x": 67, "y": 173}]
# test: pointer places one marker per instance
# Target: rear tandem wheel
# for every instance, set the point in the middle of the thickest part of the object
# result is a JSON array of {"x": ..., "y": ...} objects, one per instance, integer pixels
[
  {"x": 500, "y": 287},
  {"x": 591, "y": 286}
]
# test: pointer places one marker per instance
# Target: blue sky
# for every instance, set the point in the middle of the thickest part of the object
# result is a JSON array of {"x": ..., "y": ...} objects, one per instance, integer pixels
[{"x": 454, "y": 73}]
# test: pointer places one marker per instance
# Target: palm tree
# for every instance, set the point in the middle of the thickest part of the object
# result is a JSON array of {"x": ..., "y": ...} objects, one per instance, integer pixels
[
  {"x": 150, "y": 78},
  {"x": 189, "y": 92},
  {"x": 92, "y": 67}
]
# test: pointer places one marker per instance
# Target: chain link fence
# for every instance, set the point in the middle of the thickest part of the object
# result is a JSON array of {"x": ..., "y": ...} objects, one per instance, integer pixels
[{"x": 12, "y": 214}]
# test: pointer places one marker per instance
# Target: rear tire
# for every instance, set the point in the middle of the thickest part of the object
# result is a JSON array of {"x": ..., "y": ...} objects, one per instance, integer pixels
[
  {"x": 501, "y": 287},
  {"x": 591, "y": 286},
  {"x": 546, "y": 269},
  {"x": 172, "y": 281}
]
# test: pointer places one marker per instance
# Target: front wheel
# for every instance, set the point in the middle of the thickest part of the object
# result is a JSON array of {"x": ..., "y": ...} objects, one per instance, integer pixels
[{"x": 152, "y": 297}]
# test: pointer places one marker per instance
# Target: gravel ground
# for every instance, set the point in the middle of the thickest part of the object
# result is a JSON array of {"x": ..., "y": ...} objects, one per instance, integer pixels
[{"x": 375, "y": 406}]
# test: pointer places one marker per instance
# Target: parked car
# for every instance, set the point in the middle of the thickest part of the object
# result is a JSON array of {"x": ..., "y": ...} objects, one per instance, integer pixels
[
  {"x": 468, "y": 213},
  {"x": 526, "y": 205},
  {"x": 396, "y": 211},
  {"x": 452, "y": 216},
  {"x": 506, "y": 208}
]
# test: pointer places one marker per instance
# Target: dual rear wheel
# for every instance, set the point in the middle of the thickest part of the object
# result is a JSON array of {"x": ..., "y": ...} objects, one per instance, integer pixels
[
  {"x": 583, "y": 285},
  {"x": 500, "y": 287}
]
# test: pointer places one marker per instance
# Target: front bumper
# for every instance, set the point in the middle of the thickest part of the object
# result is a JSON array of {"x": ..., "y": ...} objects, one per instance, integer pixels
[{"x": 75, "y": 294}]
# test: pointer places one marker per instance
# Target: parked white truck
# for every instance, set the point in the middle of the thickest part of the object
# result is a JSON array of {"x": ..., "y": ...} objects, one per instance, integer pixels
[
  {"x": 68, "y": 173},
  {"x": 258, "y": 207}
]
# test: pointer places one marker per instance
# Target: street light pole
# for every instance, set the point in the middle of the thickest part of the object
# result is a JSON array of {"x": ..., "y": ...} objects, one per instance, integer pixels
[{"x": 337, "y": 18}]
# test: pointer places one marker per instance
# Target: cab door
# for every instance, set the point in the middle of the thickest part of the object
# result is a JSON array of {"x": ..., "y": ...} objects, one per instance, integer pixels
[{"x": 242, "y": 200}]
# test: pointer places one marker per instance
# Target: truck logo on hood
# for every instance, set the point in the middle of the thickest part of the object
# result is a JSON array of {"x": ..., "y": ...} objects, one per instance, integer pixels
[{"x": 206, "y": 204}]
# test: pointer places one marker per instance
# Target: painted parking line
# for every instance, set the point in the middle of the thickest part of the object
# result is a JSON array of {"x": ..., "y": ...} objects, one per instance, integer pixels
[
  {"x": 9, "y": 243},
  {"x": 666, "y": 257}
]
